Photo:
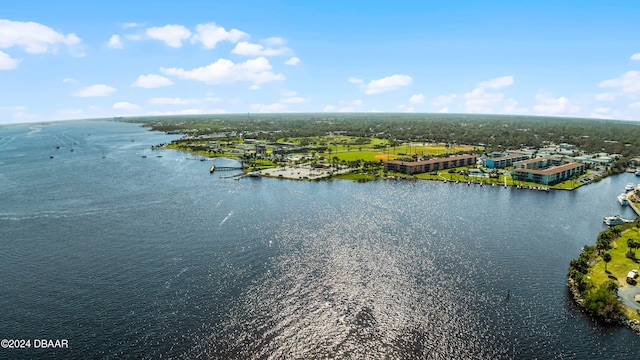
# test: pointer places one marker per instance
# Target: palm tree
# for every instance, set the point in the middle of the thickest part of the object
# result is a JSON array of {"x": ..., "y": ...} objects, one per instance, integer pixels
[{"x": 606, "y": 257}]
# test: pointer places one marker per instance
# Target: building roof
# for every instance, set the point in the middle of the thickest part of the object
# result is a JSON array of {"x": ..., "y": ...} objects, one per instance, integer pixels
[
  {"x": 507, "y": 157},
  {"x": 551, "y": 170}
]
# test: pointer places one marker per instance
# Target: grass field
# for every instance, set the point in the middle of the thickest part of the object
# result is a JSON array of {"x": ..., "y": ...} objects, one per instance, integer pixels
[{"x": 619, "y": 265}]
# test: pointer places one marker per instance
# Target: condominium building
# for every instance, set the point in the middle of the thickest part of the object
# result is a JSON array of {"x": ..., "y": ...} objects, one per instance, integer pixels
[
  {"x": 547, "y": 171},
  {"x": 417, "y": 167}
]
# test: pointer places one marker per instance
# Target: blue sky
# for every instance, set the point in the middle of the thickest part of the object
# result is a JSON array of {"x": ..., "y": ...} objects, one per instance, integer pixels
[{"x": 90, "y": 59}]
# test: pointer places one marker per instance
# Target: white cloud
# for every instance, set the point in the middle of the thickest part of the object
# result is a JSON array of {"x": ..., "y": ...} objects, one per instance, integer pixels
[
  {"x": 444, "y": 99},
  {"x": 151, "y": 81},
  {"x": 635, "y": 105},
  {"x": 247, "y": 49},
  {"x": 274, "y": 41},
  {"x": 129, "y": 25},
  {"x": 602, "y": 110},
  {"x": 6, "y": 62},
  {"x": 211, "y": 34},
  {"x": 276, "y": 107},
  {"x": 628, "y": 83},
  {"x": 635, "y": 56},
  {"x": 293, "y": 61},
  {"x": 123, "y": 105},
  {"x": 417, "y": 99},
  {"x": 296, "y": 99},
  {"x": 480, "y": 101},
  {"x": 512, "y": 108},
  {"x": 497, "y": 83},
  {"x": 224, "y": 71},
  {"x": 69, "y": 80},
  {"x": 357, "y": 102},
  {"x": 329, "y": 108},
  {"x": 606, "y": 96},
  {"x": 172, "y": 35},
  {"x": 95, "y": 90},
  {"x": 36, "y": 38},
  {"x": 444, "y": 110},
  {"x": 115, "y": 42},
  {"x": 388, "y": 83},
  {"x": 548, "y": 105},
  {"x": 355, "y": 80}
]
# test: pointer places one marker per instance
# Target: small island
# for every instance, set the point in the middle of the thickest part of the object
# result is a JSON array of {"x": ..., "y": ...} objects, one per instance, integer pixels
[{"x": 603, "y": 279}]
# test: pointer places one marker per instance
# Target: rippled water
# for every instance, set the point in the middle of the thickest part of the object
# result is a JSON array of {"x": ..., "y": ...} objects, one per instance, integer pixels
[{"x": 154, "y": 257}]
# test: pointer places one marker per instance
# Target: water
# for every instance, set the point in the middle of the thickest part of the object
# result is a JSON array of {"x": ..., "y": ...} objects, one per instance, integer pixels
[{"x": 153, "y": 257}]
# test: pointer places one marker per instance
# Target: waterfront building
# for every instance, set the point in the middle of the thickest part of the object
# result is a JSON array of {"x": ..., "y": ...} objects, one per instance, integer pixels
[
  {"x": 500, "y": 160},
  {"x": 547, "y": 171},
  {"x": 418, "y": 167}
]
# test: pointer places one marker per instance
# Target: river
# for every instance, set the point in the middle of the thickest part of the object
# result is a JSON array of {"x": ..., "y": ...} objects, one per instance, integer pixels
[{"x": 153, "y": 257}]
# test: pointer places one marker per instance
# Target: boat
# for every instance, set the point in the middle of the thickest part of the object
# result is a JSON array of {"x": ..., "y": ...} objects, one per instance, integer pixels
[
  {"x": 254, "y": 174},
  {"x": 615, "y": 220},
  {"x": 629, "y": 187},
  {"x": 637, "y": 172},
  {"x": 622, "y": 199},
  {"x": 144, "y": 156},
  {"x": 212, "y": 169}
]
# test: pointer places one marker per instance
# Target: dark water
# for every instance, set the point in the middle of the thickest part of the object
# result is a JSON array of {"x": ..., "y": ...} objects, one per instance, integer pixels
[{"x": 153, "y": 257}]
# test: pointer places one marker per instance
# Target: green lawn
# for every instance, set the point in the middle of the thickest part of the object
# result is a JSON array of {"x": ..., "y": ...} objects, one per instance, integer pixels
[{"x": 619, "y": 265}]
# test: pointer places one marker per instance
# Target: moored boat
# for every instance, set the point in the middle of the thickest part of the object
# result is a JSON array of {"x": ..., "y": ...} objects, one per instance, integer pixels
[
  {"x": 622, "y": 199},
  {"x": 615, "y": 220},
  {"x": 629, "y": 187}
]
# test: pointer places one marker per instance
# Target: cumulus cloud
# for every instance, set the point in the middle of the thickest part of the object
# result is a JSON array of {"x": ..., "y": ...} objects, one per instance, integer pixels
[
  {"x": 548, "y": 105},
  {"x": 129, "y": 25},
  {"x": 329, "y": 108},
  {"x": 628, "y": 84},
  {"x": 444, "y": 110},
  {"x": 69, "y": 80},
  {"x": 388, "y": 83},
  {"x": 211, "y": 34},
  {"x": 95, "y": 90},
  {"x": 497, "y": 83},
  {"x": 276, "y": 107},
  {"x": 115, "y": 42},
  {"x": 635, "y": 56},
  {"x": 151, "y": 81},
  {"x": 606, "y": 96},
  {"x": 224, "y": 71},
  {"x": 444, "y": 99},
  {"x": 355, "y": 80},
  {"x": 123, "y": 105},
  {"x": 172, "y": 35},
  {"x": 6, "y": 62},
  {"x": 635, "y": 105},
  {"x": 417, "y": 99},
  {"x": 248, "y": 49},
  {"x": 480, "y": 101},
  {"x": 293, "y": 61},
  {"x": 36, "y": 38},
  {"x": 295, "y": 99}
]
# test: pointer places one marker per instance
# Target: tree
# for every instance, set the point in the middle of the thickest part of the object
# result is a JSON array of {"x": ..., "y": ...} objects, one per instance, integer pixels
[{"x": 606, "y": 257}]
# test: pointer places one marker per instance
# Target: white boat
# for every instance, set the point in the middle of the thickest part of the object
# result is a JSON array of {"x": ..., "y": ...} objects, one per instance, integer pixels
[
  {"x": 629, "y": 187},
  {"x": 622, "y": 199},
  {"x": 637, "y": 172},
  {"x": 615, "y": 220}
]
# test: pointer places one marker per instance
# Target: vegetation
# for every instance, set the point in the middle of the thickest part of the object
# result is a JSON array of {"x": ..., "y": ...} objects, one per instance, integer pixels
[
  {"x": 595, "y": 282},
  {"x": 495, "y": 132}
]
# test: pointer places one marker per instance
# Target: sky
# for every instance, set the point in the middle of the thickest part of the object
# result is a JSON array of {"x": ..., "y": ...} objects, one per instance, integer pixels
[{"x": 68, "y": 59}]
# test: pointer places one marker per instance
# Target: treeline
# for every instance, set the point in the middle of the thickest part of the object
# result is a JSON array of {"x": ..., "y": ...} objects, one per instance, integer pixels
[{"x": 495, "y": 132}]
